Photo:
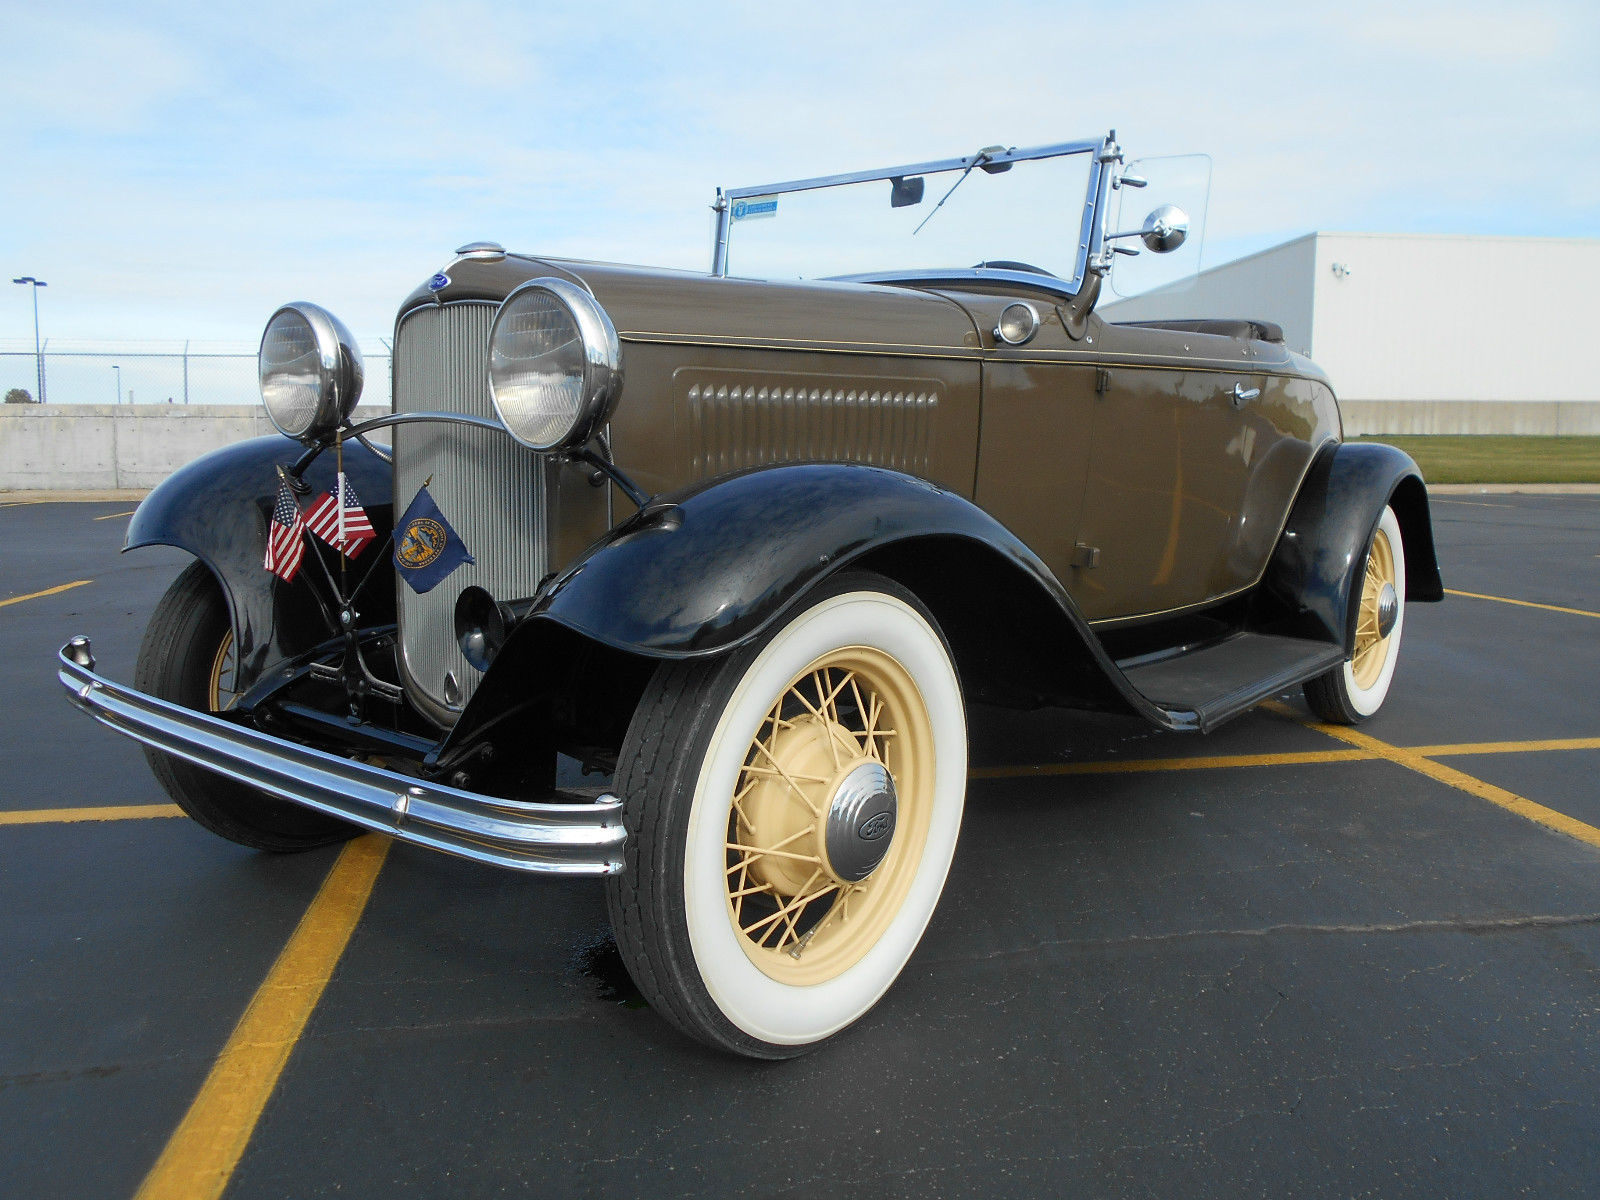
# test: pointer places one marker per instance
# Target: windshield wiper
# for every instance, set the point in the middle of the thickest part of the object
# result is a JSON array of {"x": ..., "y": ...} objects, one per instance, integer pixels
[{"x": 984, "y": 156}]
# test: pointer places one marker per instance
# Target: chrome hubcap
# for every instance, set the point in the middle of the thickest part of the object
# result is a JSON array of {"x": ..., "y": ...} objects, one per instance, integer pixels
[
  {"x": 1388, "y": 610},
  {"x": 861, "y": 821}
]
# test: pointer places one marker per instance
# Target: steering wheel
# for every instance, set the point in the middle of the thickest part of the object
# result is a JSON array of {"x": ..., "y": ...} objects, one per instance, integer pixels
[{"x": 1006, "y": 264}]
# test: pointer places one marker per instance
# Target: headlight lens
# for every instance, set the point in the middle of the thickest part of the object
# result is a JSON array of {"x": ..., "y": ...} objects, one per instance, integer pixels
[
  {"x": 311, "y": 371},
  {"x": 555, "y": 366}
]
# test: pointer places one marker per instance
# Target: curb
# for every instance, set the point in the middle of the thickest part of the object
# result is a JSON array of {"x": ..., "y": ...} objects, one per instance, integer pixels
[
  {"x": 106, "y": 496},
  {"x": 1513, "y": 489}
]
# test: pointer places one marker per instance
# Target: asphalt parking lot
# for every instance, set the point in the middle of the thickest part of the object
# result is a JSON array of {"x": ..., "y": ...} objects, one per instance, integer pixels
[{"x": 1271, "y": 962}]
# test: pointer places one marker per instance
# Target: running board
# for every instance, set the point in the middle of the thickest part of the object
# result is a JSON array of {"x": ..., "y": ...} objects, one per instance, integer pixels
[{"x": 1212, "y": 683}]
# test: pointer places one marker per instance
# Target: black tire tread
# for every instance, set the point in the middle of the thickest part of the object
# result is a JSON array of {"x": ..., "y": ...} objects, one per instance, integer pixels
[
  {"x": 660, "y": 757},
  {"x": 1326, "y": 696},
  {"x": 174, "y": 664}
]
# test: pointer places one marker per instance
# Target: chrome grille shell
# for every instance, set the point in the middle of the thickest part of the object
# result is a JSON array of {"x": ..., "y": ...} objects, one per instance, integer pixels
[{"x": 490, "y": 489}]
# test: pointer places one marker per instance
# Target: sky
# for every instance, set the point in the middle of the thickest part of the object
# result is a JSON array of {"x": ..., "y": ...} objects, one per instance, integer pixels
[{"x": 176, "y": 171}]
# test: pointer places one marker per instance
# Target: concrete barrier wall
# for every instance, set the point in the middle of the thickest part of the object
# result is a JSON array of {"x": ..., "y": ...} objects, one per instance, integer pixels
[
  {"x": 1538, "y": 417},
  {"x": 92, "y": 447}
]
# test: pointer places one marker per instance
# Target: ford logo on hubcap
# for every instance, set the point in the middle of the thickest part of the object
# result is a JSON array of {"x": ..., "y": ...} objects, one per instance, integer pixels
[{"x": 875, "y": 826}]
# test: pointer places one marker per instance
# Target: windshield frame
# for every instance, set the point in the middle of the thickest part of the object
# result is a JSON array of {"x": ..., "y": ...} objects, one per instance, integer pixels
[{"x": 1091, "y": 227}]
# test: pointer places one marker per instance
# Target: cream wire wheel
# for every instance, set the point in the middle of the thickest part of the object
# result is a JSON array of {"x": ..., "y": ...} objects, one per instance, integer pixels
[
  {"x": 220, "y": 691},
  {"x": 1377, "y": 606},
  {"x": 792, "y": 810},
  {"x": 830, "y": 815},
  {"x": 1357, "y": 687}
]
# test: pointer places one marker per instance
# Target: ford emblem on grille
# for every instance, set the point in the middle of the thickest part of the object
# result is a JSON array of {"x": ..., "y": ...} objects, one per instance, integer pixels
[{"x": 439, "y": 282}]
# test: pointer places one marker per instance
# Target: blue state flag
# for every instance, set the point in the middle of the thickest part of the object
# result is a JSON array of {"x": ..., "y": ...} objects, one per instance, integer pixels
[{"x": 426, "y": 548}]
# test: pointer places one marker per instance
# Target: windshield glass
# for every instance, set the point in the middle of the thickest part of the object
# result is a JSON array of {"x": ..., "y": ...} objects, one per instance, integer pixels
[{"x": 1030, "y": 215}]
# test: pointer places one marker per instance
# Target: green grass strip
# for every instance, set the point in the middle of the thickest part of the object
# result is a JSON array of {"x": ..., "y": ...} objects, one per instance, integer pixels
[{"x": 1492, "y": 458}]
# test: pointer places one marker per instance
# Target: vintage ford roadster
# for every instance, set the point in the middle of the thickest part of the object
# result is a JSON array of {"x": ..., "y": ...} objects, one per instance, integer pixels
[{"x": 747, "y": 548}]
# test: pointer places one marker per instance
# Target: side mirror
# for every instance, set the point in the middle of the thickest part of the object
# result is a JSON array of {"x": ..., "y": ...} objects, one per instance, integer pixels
[
  {"x": 1165, "y": 229},
  {"x": 905, "y": 191}
]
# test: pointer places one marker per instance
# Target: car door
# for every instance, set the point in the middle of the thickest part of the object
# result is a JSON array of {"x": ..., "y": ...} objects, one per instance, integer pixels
[
  {"x": 1196, "y": 454},
  {"x": 1033, "y": 451}
]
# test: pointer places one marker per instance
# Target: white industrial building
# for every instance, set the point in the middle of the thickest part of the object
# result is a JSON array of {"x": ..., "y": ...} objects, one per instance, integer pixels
[{"x": 1423, "y": 333}]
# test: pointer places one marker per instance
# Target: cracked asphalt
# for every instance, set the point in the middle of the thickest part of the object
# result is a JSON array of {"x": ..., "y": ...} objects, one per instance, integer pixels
[{"x": 1304, "y": 978}]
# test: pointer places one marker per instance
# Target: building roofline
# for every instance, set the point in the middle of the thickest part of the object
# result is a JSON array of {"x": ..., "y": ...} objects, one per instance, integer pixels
[{"x": 1449, "y": 237}]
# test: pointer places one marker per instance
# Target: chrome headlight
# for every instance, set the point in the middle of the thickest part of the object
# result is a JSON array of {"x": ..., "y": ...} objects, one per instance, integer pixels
[
  {"x": 555, "y": 366},
  {"x": 311, "y": 371}
]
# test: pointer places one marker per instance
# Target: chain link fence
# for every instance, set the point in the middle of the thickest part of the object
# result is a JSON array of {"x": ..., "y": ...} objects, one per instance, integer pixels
[{"x": 96, "y": 372}]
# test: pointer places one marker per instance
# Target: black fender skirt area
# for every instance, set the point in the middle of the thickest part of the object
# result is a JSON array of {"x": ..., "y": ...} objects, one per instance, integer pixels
[
  {"x": 1314, "y": 568},
  {"x": 217, "y": 508},
  {"x": 701, "y": 571}
]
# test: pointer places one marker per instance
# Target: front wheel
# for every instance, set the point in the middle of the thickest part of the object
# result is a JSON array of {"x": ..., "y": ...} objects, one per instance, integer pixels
[
  {"x": 188, "y": 657},
  {"x": 792, "y": 811},
  {"x": 1356, "y": 688}
]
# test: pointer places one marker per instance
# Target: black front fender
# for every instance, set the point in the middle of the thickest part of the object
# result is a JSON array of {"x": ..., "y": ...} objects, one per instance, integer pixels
[
  {"x": 217, "y": 508},
  {"x": 1331, "y": 525},
  {"x": 702, "y": 571}
]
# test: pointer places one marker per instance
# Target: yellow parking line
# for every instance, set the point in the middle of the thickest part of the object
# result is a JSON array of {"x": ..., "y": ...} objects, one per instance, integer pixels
[
  {"x": 119, "y": 812},
  {"x": 204, "y": 1150},
  {"x": 1576, "y": 612},
  {"x": 109, "y": 516},
  {"x": 1135, "y": 765},
  {"x": 1447, "y": 750},
  {"x": 1130, "y": 766},
  {"x": 63, "y": 587},
  {"x": 1412, "y": 760}
]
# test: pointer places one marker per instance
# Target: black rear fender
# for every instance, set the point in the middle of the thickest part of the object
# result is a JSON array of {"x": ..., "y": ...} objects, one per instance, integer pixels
[{"x": 1309, "y": 580}]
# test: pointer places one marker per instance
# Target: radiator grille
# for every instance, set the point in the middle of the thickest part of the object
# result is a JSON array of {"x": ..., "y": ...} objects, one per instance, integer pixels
[{"x": 489, "y": 488}]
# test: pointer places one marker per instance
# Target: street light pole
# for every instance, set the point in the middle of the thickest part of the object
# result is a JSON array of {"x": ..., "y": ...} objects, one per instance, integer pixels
[
  {"x": 38, "y": 350},
  {"x": 118, "y": 370}
]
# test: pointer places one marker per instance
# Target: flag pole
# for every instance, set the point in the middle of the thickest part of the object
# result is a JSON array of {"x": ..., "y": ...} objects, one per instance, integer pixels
[
  {"x": 338, "y": 497},
  {"x": 312, "y": 552}
]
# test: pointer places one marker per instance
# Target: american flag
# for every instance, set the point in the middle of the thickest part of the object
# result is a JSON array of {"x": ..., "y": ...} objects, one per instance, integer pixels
[
  {"x": 285, "y": 545},
  {"x": 353, "y": 533}
]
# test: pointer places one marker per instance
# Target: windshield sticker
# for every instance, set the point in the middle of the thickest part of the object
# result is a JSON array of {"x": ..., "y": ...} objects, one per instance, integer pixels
[{"x": 756, "y": 208}]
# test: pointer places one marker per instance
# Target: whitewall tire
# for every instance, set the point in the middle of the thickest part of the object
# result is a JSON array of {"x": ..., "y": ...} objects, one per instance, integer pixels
[
  {"x": 1357, "y": 687},
  {"x": 792, "y": 812}
]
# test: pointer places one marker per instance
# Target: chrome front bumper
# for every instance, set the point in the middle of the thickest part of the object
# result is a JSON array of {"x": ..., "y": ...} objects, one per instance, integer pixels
[{"x": 557, "y": 839}]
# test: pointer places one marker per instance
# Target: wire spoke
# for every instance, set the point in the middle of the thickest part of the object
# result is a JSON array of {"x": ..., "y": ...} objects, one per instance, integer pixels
[
  {"x": 780, "y": 773},
  {"x": 861, "y": 715},
  {"x": 770, "y": 852},
  {"x": 799, "y": 901},
  {"x": 830, "y": 702},
  {"x": 1362, "y": 655},
  {"x": 751, "y": 890},
  {"x": 798, "y": 791}
]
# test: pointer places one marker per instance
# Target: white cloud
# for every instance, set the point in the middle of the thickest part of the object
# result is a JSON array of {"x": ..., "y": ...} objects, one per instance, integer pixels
[{"x": 180, "y": 173}]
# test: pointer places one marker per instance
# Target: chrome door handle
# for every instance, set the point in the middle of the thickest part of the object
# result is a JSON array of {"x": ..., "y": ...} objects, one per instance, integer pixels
[{"x": 1242, "y": 394}]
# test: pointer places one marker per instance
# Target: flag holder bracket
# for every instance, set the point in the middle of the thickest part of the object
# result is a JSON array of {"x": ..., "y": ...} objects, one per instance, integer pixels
[{"x": 358, "y": 679}]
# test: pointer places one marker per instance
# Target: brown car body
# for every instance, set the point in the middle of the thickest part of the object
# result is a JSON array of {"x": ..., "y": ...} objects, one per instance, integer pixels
[{"x": 1127, "y": 439}]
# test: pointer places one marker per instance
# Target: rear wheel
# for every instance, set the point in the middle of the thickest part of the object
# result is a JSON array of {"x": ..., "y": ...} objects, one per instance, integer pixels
[
  {"x": 792, "y": 811},
  {"x": 1356, "y": 688},
  {"x": 188, "y": 657}
]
